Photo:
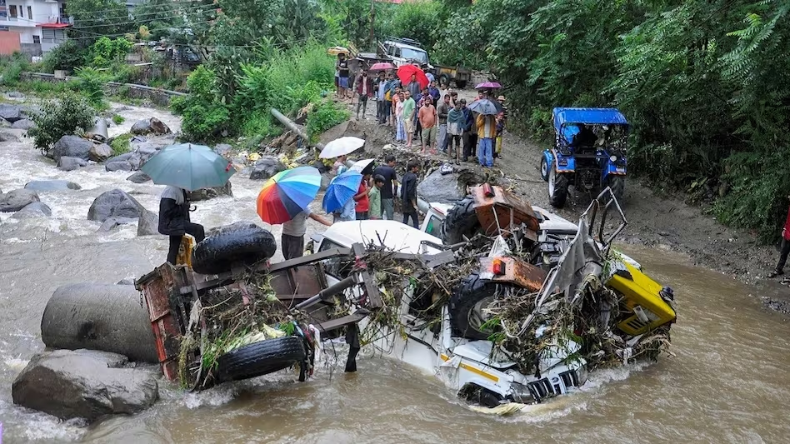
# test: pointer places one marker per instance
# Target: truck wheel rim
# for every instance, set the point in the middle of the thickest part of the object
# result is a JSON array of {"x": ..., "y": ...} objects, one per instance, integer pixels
[{"x": 544, "y": 166}]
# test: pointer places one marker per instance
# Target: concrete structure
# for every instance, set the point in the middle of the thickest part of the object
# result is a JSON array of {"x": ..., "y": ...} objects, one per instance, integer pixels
[{"x": 36, "y": 25}]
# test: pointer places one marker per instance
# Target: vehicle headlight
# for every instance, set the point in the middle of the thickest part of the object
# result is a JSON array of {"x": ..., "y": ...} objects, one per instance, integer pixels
[{"x": 613, "y": 158}]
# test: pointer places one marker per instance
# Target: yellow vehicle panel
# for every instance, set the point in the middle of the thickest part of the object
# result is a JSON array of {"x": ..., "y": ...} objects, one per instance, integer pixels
[
  {"x": 641, "y": 293},
  {"x": 185, "y": 251}
]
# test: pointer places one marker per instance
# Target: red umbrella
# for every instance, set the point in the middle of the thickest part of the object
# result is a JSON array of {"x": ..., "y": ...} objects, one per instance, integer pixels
[
  {"x": 406, "y": 71},
  {"x": 382, "y": 66}
]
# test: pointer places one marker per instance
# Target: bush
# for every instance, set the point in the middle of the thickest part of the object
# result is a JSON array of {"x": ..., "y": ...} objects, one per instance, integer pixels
[
  {"x": 120, "y": 144},
  {"x": 117, "y": 119},
  {"x": 91, "y": 84},
  {"x": 67, "y": 56},
  {"x": 204, "y": 116},
  {"x": 11, "y": 68},
  {"x": 61, "y": 117},
  {"x": 324, "y": 116}
]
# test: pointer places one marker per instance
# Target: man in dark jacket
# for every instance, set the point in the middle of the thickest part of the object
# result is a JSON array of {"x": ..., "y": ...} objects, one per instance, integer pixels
[
  {"x": 174, "y": 220},
  {"x": 470, "y": 132},
  {"x": 785, "y": 250},
  {"x": 364, "y": 88},
  {"x": 409, "y": 194}
]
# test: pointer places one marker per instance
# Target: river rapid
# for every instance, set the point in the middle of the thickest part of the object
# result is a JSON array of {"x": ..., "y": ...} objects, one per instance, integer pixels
[{"x": 727, "y": 383}]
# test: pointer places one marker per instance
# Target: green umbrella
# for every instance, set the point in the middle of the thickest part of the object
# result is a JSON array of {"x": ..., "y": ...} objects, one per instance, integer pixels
[{"x": 188, "y": 166}]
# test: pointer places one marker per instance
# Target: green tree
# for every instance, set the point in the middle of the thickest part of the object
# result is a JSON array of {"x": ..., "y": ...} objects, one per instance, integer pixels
[{"x": 97, "y": 18}]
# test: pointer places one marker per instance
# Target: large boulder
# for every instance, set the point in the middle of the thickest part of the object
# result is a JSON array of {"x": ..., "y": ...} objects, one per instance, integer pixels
[
  {"x": 12, "y": 113},
  {"x": 148, "y": 223},
  {"x": 131, "y": 161},
  {"x": 24, "y": 124},
  {"x": 266, "y": 167},
  {"x": 15, "y": 200},
  {"x": 223, "y": 149},
  {"x": 115, "y": 203},
  {"x": 138, "y": 177},
  {"x": 8, "y": 137},
  {"x": 51, "y": 185},
  {"x": 83, "y": 384},
  {"x": 100, "y": 152},
  {"x": 447, "y": 188},
  {"x": 72, "y": 146},
  {"x": 66, "y": 163},
  {"x": 34, "y": 210},
  {"x": 150, "y": 126},
  {"x": 210, "y": 193}
]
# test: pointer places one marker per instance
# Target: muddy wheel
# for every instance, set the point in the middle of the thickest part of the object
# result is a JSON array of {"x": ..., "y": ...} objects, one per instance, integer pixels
[
  {"x": 617, "y": 184},
  {"x": 461, "y": 221},
  {"x": 246, "y": 243},
  {"x": 261, "y": 358},
  {"x": 558, "y": 188},
  {"x": 444, "y": 79},
  {"x": 467, "y": 306},
  {"x": 544, "y": 169}
]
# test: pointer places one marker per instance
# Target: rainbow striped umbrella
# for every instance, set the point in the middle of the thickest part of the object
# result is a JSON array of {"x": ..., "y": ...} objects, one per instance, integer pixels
[{"x": 287, "y": 194}]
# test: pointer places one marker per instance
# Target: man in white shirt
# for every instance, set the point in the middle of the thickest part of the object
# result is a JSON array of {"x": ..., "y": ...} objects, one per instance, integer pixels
[{"x": 292, "y": 240}]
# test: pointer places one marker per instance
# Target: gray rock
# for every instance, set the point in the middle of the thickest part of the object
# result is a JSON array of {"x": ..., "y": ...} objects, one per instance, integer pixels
[
  {"x": 223, "y": 149},
  {"x": 83, "y": 384},
  {"x": 138, "y": 177},
  {"x": 122, "y": 157},
  {"x": 266, "y": 167},
  {"x": 119, "y": 165},
  {"x": 125, "y": 281},
  {"x": 12, "y": 113},
  {"x": 34, "y": 210},
  {"x": 148, "y": 223},
  {"x": 15, "y": 200},
  {"x": 29, "y": 111},
  {"x": 24, "y": 124},
  {"x": 100, "y": 153},
  {"x": 8, "y": 137},
  {"x": 72, "y": 146},
  {"x": 111, "y": 223},
  {"x": 71, "y": 163},
  {"x": 440, "y": 188},
  {"x": 150, "y": 126},
  {"x": 4, "y": 123},
  {"x": 210, "y": 193},
  {"x": 115, "y": 203},
  {"x": 51, "y": 185}
]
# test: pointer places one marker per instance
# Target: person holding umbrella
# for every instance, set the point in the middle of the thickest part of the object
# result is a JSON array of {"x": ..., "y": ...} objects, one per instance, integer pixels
[
  {"x": 339, "y": 196},
  {"x": 285, "y": 199},
  {"x": 184, "y": 167}
]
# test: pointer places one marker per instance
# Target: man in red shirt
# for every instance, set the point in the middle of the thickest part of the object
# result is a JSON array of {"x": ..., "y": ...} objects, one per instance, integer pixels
[
  {"x": 362, "y": 199},
  {"x": 785, "y": 248}
]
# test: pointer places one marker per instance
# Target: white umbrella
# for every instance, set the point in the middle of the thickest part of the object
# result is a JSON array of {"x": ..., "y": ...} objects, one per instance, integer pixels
[
  {"x": 341, "y": 147},
  {"x": 361, "y": 165}
]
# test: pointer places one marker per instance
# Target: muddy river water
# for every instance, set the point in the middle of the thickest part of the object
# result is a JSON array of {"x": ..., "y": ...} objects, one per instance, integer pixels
[{"x": 728, "y": 380}]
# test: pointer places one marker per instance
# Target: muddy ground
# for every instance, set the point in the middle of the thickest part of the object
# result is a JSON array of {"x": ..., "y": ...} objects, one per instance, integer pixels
[{"x": 654, "y": 221}]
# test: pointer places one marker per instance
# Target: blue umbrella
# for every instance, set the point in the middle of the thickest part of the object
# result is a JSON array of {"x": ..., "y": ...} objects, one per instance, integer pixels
[
  {"x": 188, "y": 166},
  {"x": 486, "y": 107},
  {"x": 342, "y": 188}
]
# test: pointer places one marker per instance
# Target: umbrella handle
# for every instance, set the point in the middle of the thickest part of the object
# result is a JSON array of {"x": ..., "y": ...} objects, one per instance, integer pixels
[{"x": 193, "y": 208}]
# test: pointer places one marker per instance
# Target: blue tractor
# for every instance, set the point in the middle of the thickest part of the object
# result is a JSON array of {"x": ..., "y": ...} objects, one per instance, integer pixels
[{"x": 589, "y": 152}]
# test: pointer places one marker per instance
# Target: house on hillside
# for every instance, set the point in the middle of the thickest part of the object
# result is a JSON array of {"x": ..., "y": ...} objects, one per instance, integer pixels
[{"x": 33, "y": 27}]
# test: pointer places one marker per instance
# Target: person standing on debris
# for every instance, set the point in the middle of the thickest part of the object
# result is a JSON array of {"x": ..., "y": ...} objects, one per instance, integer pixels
[
  {"x": 292, "y": 239},
  {"x": 342, "y": 72},
  {"x": 442, "y": 111},
  {"x": 486, "y": 132},
  {"x": 414, "y": 87},
  {"x": 785, "y": 251},
  {"x": 362, "y": 199},
  {"x": 339, "y": 162},
  {"x": 427, "y": 118},
  {"x": 383, "y": 96},
  {"x": 375, "y": 197},
  {"x": 408, "y": 117},
  {"x": 395, "y": 98},
  {"x": 409, "y": 194},
  {"x": 455, "y": 129},
  {"x": 364, "y": 88},
  {"x": 390, "y": 188},
  {"x": 174, "y": 220},
  {"x": 400, "y": 130},
  {"x": 469, "y": 132},
  {"x": 347, "y": 213}
]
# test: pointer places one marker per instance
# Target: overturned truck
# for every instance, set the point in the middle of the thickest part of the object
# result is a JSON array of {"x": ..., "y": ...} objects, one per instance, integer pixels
[{"x": 507, "y": 312}]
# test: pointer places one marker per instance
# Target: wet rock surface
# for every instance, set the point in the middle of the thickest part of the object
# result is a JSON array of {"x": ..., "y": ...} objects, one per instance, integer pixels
[
  {"x": 11, "y": 113},
  {"x": 15, "y": 200},
  {"x": 71, "y": 163},
  {"x": 266, "y": 167},
  {"x": 114, "y": 204},
  {"x": 138, "y": 177},
  {"x": 51, "y": 185},
  {"x": 150, "y": 126},
  {"x": 210, "y": 193},
  {"x": 100, "y": 152},
  {"x": 24, "y": 124},
  {"x": 72, "y": 146},
  {"x": 148, "y": 223},
  {"x": 33, "y": 210},
  {"x": 84, "y": 384}
]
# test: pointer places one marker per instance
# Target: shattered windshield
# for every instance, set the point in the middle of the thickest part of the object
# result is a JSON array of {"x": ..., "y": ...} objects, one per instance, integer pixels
[{"x": 414, "y": 54}]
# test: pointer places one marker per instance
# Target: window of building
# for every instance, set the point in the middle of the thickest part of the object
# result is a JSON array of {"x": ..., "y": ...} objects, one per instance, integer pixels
[
  {"x": 30, "y": 12},
  {"x": 36, "y": 40},
  {"x": 13, "y": 12}
]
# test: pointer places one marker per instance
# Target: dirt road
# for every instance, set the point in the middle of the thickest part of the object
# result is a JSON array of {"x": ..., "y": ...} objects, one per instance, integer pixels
[{"x": 657, "y": 222}]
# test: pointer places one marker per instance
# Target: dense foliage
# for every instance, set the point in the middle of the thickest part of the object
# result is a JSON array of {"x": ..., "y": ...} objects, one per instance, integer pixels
[{"x": 62, "y": 117}]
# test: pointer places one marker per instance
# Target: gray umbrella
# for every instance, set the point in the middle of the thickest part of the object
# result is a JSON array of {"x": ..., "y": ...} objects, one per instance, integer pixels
[{"x": 486, "y": 107}]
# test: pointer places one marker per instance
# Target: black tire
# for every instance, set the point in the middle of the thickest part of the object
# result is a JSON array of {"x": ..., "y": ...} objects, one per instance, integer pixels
[
  {"x": 444, "y": 79},
  {"x": 246, "y": 243},
  {"x": 261, "y": 358},
  {"x": 558, "y": 194},
  {"x": 461, "y": 221},
  {"x": 617, "y": 184},
  {"x": 465, "y": 315},
  {"x": 461, "y": 84},
  {"x": 544, "y": 169}
]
